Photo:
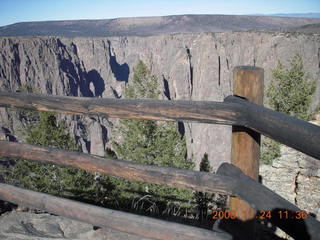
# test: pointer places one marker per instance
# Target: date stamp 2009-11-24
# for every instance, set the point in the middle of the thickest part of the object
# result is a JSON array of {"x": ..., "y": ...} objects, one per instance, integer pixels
[{"x": 261, "y": 214}]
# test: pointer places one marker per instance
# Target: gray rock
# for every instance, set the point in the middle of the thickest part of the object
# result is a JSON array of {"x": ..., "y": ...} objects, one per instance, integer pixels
[
  {"x": 83, "y": 146},
  {"x": 295, "y": 177},
  {"x": 31, "y": 226},
  {"x": 96, "y": 138},
  {"x": 3, "y": 135}
]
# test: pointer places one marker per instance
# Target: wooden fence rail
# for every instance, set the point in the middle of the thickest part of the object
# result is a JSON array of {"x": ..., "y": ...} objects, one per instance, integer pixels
[
  {"x": 228, "y": 180},
  {"x": 233, "y": 111},
  {"x": 281, "y": 127},
  {"x": 103, "y": 217},
  {"x": 145, "y": 109},
  {"x": 173, "y": 177}
]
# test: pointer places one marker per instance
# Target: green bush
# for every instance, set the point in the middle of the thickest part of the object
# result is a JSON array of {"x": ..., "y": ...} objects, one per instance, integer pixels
[
  {"x": 290, "y": 91},
  {"x": 203, "y": 199},
  {"x": 61, "y": 181},
  {"x": 49, "y": 132},
  {"x": 269, "y": 150}
]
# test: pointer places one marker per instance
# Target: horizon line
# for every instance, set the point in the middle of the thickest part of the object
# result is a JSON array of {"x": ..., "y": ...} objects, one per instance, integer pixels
[{"x": 173, "y": 15}]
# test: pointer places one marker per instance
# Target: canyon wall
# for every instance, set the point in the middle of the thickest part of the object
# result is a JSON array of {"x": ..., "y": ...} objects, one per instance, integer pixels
[
  {"x": 296, "y": 177},
  {"x": 188, "y": 66}
]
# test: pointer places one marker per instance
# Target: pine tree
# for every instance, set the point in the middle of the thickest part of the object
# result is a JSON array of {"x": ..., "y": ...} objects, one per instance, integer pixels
[
  {"x": 150, "y": 142},
  {"x": 146, "y": 141},
  {"x": 202, "y": 199},
  {"x": 290, "y": 91}
]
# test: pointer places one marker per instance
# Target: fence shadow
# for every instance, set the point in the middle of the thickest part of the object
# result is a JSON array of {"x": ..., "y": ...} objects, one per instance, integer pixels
[{"x": 289, "y": 221}]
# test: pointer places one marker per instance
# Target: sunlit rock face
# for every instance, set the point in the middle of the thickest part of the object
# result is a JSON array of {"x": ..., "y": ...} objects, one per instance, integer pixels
[
  {"x": 296, "y": 177},
  {"x": 33, "y": 226},
  {"x": 193, "y": 66}
]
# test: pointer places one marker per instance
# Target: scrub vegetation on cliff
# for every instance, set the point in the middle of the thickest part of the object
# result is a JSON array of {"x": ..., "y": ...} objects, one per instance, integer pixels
[
  {"x": 153, "y": 143},
  {"x": 290, "y": 91},
  {"x": 60, "y": 181}
]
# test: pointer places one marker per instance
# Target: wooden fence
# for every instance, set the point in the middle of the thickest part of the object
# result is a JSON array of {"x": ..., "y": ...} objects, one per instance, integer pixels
[{"x": 238, "y": 179}]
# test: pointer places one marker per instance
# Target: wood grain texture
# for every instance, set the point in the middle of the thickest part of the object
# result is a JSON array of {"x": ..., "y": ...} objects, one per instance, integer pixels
[
  {"x": 293, "y": 132},
  {"x": 245, "y": 151},
  {"x": 261, "y": 198},
  {"x": 245, "y": 148},
  {"x": 145, "y": 109},
  {"x": 103, "y": 217},
  {"x": 248, "y": 83},
  {"x": 173, "y": 177}
]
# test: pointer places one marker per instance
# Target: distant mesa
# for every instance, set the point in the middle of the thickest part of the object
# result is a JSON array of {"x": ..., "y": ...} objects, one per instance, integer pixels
[{"x": 142, "y": 26}]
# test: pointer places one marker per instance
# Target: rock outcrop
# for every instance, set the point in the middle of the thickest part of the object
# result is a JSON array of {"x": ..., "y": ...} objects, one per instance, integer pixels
[
  {"x": 30, "y": 226},
  {"x": 96, "y": 139},
  {"x": 296, "y": 177},
  {"x": 188, "y": 66}
]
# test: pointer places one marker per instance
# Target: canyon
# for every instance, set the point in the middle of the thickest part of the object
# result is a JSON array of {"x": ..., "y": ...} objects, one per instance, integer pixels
[{"x": 192, "y": 57}]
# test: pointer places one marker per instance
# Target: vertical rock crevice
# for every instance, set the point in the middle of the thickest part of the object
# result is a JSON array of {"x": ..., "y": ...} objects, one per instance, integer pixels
[
  {"x": 181, "y": 129},
  {"x": 296, "y": 186},
  {"x": 74, "y": 48},
  {"x": 166, "y": 89},
  {"x": 115, "y": 93},
  {"x": 219, "y": 71},
  {"x": 189, "y": 56},
  {"x": 15, "y": 63},
  {"x": 319, "y": 57}
]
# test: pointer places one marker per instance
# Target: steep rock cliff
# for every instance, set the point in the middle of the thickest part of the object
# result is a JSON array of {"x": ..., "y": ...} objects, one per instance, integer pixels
[
  {"x": 188, "y": 66},
  {"x": 296, "y": 177}
]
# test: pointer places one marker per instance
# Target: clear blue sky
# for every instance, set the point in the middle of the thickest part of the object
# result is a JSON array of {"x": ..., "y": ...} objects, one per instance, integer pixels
[{"x": 12, "y": 11}]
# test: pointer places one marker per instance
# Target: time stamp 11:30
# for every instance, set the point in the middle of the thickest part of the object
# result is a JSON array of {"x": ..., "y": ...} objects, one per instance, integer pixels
[{"x": 261, "y": 214}]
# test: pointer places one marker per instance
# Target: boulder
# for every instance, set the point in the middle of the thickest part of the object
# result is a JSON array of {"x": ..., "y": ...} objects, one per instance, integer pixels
[{"x": 31, "y": 226}]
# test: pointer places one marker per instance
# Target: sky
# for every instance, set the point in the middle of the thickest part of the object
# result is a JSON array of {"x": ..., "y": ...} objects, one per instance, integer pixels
[{"x": 12, "y": 11}]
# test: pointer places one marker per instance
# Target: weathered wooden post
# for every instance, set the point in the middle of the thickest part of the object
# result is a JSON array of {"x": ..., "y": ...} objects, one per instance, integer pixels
[{"x": 245, "y": 152}]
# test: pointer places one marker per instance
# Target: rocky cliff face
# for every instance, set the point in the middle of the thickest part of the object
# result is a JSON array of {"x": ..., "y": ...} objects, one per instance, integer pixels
[
  {"x": 296, "y": 177},
  {"x": 188, "y": 66},
  {"x": 30, "y": 226}
]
